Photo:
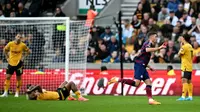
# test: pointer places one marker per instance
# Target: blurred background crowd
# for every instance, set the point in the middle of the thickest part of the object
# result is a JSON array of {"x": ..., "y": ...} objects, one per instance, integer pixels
[{"x": 169, "y": 18}]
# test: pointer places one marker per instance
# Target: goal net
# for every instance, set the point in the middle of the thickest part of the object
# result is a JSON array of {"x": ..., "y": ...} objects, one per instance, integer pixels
[{"x": 58, "y": 50}]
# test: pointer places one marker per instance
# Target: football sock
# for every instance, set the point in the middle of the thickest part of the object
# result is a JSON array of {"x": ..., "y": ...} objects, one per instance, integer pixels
[
  {"x": 127, "y": 81},
  {"x": 190, "y": 90},
  {"x": 6, "y": 85},
  {"x": 184, "y": 90},
  {"x": 19, "y": 83},
  {"x": 78, "y": 94},
  {"x": 148, "y": 91}
]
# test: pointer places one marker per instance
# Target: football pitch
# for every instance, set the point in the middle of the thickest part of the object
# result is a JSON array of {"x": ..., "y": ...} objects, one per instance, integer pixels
[{"x": 100, "y": 104}]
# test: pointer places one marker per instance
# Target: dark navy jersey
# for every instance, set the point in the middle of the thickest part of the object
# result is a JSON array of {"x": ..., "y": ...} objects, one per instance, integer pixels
[{"x": 144, "y": 57}]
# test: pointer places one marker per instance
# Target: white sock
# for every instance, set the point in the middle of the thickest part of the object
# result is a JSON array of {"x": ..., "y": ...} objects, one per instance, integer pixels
[
  {"x": 183, "y": 96},
  {"x": 5, "y": 93},
  {"x": 190, "y": 96}
]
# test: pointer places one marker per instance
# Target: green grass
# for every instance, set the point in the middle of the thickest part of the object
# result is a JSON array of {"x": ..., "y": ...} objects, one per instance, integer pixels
[{"x": 100, "y": 104}]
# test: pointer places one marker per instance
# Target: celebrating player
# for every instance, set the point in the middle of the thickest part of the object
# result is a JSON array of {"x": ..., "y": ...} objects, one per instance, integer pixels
[
  {"x": 14, "y": 51},
  {"x": 186, "y": 53},
  {"x": 63, "y": 91},
  {"x": 141, "y": 62}
]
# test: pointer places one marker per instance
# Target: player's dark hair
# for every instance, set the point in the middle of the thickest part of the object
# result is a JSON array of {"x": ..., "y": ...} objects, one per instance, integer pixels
[
  {"x": 186, "y": 37},
  {"x": 151, "y": 33},
  {"x": 103, "y": 68}
]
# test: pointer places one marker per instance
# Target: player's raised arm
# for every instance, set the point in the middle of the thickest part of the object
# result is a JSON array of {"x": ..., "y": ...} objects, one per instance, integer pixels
[
  {"x": 149, "y": 49},
  {"x": 153, "y": 38}
]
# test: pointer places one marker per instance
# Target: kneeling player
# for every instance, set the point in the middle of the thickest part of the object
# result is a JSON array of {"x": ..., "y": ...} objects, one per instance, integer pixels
[{"x": 63, "y": 91}]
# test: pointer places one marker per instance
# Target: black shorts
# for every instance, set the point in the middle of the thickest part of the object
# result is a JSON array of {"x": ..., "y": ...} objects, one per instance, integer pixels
[
  {"x": 187, "y": 75},
  {"x": 63, "y": 93},
  {"x": 17, "y": 69}
]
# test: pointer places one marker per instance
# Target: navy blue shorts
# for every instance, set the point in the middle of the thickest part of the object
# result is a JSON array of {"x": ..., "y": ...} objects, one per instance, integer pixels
[{"x": 140, "y": 72}]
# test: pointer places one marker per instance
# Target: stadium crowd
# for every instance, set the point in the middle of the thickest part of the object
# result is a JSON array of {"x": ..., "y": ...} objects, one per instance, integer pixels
[
  {"x": 169, "y": 18},
  {"x": 33, "y": 38}
]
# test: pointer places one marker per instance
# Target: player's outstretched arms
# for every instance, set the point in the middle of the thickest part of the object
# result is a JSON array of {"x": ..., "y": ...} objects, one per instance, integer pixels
[{"x": 156, "y": 48}]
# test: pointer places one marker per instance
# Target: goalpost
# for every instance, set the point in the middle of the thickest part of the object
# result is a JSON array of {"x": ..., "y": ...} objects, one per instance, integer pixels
[{"x": 58, "y": 50}]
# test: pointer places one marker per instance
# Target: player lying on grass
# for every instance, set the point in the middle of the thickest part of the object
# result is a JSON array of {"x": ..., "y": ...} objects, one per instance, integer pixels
[
  {"x": 63, "y": 91},
  {"x": 141, "y": 62}
]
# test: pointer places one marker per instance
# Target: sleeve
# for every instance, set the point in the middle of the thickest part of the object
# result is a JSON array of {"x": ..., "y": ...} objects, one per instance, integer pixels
[
  {"x": 182, "y": 50},
  {"x": 7, "y": 47}
]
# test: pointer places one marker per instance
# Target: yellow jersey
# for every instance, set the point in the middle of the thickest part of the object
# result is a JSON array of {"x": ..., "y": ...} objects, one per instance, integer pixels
[
  {"x": 186, "y": 54},
  {"x": 15, "y": 52},
  {"x": 48, "y": 95}
]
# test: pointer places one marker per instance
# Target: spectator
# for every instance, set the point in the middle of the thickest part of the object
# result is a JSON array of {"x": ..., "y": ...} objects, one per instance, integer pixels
[
  {"x": 173, "y": 5},
  {"x": 94, "y": 33},
  {"x": 22, "y": 12},
  {"x": 171, "y": 51},
  {"x": 112, "y": 59},
  {"x": 143, "y": 32},
  {"x": 140, "y": 39},
  {"x": 14, "y": 5},
  {"x": 145, "y": 20},
  {"x": 175, "y": 34},
  {"x": 146, "y": 4},
  {"x": 156, "y": 4},
  {"x": 127, "y": 31},
  {"x": 35, "y": 7},
  {"x": 160, "y": 38},
  {"x": 58, "y": 57},
  {"x": 153, "y": 27},
  {"x": 192, "y": 13},
  {"x": 127, "y": 58},
  {"x": 12, "y": 14},
  {"x": 100, "y": 42},
  {"x": 187, "y": 5},
  {"x": 193, "y": 22},
  {"x": 92, "y": 42},
  {"x": 59, "y": 12},
  {"x": 102, "y": 53},
  {"x": 186, "y": 20},
  {"x": 167, "y": 29},
  {"x": 172, "y": 18},
  {"x": 107, "y": 34},
  {"x": 179, "y": 12},
  {"x": 181, "y": 27},
  {"x": 7, "y": 10},
  {"x": 196, "y": 52},
  {"x": 161, "y": 57},
  {"x": 91, "y": 14},
  {"x": 154, "y": 14},
  {"x": 113, "y": 44},
  {"x": 139, "y": 12},
  {"x": 136, "y": 23},
  {"x": 163, "y": 14},
  {"x": 195, "y": 33},
  {"x": 90, "y": 58},
  {"x": 1, "y": 14},
  {"x": 198, "y": 19}
]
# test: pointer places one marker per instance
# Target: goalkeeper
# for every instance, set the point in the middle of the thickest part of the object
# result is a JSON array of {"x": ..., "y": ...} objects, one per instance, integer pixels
[{"x": 63, "y": 91}]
